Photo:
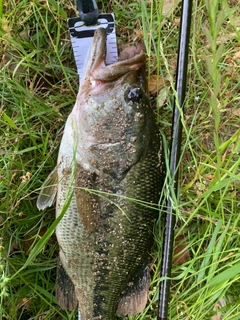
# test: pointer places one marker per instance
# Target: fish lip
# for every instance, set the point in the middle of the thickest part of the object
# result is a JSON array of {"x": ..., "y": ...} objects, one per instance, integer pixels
[
  {"x": 95, "y": 68},
  {"x": 118, "y": 69},
  {"x": 115, "y": 73},
  {"x": 96, "y": 54}
]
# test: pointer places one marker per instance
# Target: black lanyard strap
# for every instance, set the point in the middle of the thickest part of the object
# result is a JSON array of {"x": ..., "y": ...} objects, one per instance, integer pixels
[{"x": 88, "y": 10}]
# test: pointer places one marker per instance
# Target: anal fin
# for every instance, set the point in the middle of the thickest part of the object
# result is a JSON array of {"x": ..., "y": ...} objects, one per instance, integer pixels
[
  {"x": 65, "y": 291},
  {"x": 134, "y": 298}
]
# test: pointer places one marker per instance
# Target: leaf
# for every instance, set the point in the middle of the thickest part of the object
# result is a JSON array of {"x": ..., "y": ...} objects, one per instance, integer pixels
[
  {"x": 226, "y": 275},
  {"x": 217, "y": 251},
  {"x": 9, "y": 121},
  {"x": 156, "y": 83},
  {"x": 181, "y": 251},
  {"x": 208, "y": 254},
  {"x": 27, "y": 242},
  {"x": 58, "y": 8},
  {"x": 50, "y": 297},
  {"x": 219, "y": 52},
  {"x": 168, "y": 7},
  {"x": 162, "y": 97}
]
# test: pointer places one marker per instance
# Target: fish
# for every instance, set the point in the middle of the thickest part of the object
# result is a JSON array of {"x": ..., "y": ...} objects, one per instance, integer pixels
[{"x": 107, "y": 183}]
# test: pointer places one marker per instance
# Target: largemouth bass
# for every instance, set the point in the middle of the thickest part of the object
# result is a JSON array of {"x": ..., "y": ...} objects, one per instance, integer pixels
[{"x": 111, "y": 150}]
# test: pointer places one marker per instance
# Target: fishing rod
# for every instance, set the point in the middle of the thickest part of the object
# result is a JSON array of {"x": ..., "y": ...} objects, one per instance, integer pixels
[{"x": 175, "y": 151}]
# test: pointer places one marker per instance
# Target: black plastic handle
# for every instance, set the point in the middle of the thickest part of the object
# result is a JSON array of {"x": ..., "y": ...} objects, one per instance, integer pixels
[{"x": 88, "y": 11}]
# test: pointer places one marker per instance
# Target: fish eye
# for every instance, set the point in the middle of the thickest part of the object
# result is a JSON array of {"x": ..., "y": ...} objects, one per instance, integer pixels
[{"x": 133, "y": 94}]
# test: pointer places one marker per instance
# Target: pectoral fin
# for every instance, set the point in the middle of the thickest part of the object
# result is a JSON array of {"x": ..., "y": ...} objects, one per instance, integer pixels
[
  {"x": 134, "y": 298},
  {"x": 65, "y": 291},
  {"x": 48, "y": 192}
]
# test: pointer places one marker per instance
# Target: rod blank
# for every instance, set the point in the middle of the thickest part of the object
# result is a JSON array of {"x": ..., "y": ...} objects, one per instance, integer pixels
[{"x": 181, "y": 77}]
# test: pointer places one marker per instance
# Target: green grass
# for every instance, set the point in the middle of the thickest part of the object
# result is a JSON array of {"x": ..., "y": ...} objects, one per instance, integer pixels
[{"x": 38, "y": 89}]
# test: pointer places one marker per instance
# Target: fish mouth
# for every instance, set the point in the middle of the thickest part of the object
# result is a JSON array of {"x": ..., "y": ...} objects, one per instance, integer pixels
[{"x": 97, "y": 72}]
